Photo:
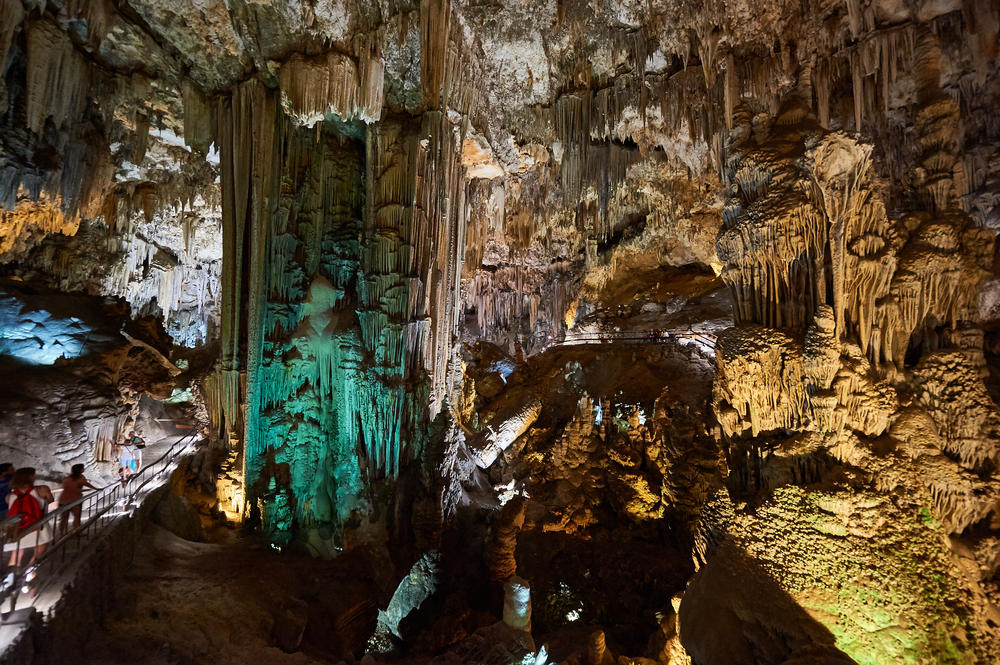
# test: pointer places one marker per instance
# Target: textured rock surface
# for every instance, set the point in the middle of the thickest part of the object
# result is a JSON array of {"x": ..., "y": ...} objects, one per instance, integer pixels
[
  {"x": 664, "y": 307},
  {"x": 78, "y": 375}
]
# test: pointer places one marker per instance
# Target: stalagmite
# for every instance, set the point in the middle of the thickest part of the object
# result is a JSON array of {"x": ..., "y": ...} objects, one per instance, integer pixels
[
  {"x": 514, "y": 423},
  {"x": 517, "y": 604}
]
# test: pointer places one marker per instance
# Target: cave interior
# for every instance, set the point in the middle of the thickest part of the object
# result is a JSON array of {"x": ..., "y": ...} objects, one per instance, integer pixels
[{"x": 619, "y": 332}]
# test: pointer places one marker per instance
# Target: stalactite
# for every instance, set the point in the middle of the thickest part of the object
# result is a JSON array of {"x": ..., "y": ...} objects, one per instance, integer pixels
[
  {"x": 28, "y": 220},
  {"x": 105, "y": 433},
  {"x": 601, "y": 164},
  {"x": 371, "y": 79},
  {"x": 684, "y": 104},
  {"x": 140, "y": 139},
  {"x": 504, "y": 298},
  {"x": 11, "y": 16},
  {"x": 435, "y": 22},
  {"x": 58, "y": 76},
  {"x": 334, "y": 83},
  {"x": 243, "y": 128},
  {"x": 197, "y": 118},
  {"x": 821, "y": 85},
  {"x": 858, "y": 88},
  {"x": 864, "y": 405},
  {"x": 410, "y": 271},
  {"x": 960, "y": 497},
  {"x": 936, "y": 129},
  {"x": 464, "y": 82},
  {"x": 955, "y": 397},
  {"x": 708, "y": 44},
  {"x": 730, "y": 90},
  {"x": 821, "y": 353},
  {"x": 873, "y": 62},
  {"x": 385, "y": 295},
  {"x": 154, "y": 282},
  {"x": 760, "y": 381},
  {"x": 761, "y": 80},
  {"x": 838, "y": 239}
]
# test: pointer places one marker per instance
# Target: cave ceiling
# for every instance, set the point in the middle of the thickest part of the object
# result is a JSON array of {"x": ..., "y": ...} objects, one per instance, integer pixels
[{"x": 700, "y": 295}]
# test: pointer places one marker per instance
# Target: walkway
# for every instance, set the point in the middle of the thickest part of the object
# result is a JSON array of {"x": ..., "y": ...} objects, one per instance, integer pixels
[
  {"x": 39, "y": 585},
  {"x": 704, "y": 339}
]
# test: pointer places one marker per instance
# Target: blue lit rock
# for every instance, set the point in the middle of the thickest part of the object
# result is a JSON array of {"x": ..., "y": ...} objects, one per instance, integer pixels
[{"x": 37, "y": 337}]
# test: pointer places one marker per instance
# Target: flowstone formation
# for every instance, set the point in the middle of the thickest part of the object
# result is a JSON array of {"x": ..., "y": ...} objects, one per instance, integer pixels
[
  {"x": 850, "y": 320},
  {"x": 619, "y": 332},
  {"x": 338, "y": 309}
]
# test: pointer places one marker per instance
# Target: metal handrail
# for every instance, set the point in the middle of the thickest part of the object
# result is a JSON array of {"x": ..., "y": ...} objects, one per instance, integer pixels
[
  {"x": 18, "y": 574},
  {"x": 664, "y": 335}
]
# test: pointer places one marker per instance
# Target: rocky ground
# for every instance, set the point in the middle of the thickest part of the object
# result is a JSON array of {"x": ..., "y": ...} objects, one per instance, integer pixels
[{"x": 234, "y": 600}]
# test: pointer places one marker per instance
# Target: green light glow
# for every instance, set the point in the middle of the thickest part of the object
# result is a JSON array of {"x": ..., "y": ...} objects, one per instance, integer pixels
[
  {"x": 334, "y": 386},
  {"x": 885, "y": 594}
]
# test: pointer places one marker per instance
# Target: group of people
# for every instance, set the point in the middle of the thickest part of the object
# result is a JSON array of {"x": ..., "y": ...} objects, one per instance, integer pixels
[
  {"x": 129, "y": 452},
  {"x": 21, "y": 497}
]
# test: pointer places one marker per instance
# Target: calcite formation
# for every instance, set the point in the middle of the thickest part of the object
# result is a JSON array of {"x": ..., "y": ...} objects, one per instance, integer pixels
[
  {"x": 645, "y": 310},
  {"x": 76, "y": 378}
]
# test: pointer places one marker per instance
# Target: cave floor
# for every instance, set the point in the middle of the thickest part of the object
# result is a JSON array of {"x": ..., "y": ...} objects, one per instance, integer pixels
[{"x": 228, "y": 601}]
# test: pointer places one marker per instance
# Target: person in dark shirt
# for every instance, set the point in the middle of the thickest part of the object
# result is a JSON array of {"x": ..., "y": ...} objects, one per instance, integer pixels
[{"x": 6, "y": 471}]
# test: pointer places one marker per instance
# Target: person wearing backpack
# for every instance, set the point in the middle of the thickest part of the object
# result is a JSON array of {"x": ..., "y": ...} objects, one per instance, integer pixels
[
  {"x": 138, "y": 443},
  {"x": 6, "y": 471},
  {"x": 28, "y": 501},
  {"x": 136, "y": 440}
]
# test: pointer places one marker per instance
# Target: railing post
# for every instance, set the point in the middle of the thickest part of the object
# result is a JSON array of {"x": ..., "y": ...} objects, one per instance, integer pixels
[{"x": 96, "y": 510}]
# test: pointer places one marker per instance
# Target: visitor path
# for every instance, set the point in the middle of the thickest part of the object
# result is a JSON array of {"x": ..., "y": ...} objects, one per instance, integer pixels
[
  {"x": 702, "y": 338},
  {"x": 38, "y": 585}
]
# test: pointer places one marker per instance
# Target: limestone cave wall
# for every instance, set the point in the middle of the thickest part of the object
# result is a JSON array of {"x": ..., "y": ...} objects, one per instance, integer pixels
[{"x": 710, "y": 283}]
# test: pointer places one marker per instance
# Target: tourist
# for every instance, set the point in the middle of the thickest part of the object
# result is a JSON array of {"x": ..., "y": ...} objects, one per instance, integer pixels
[
  {"x": 6, "y": 471},
  {"x": 138, "y": 443},
  {"x": 29, "y": 502},
  {"x": 72, "y": 491},
  {"x": 126, "y": 458}
]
